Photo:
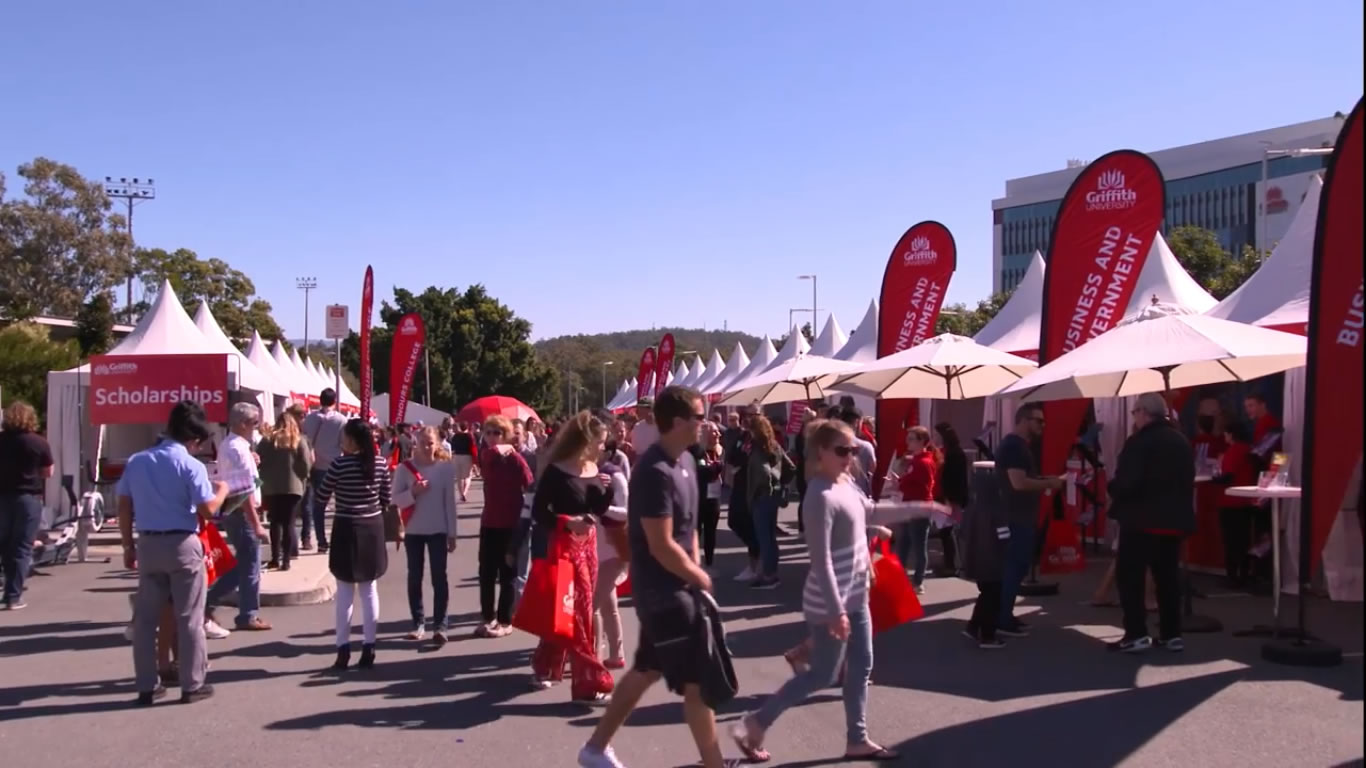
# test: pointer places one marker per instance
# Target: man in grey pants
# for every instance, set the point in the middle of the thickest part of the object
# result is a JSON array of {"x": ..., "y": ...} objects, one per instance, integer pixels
[{"x": 167, "y": 492}]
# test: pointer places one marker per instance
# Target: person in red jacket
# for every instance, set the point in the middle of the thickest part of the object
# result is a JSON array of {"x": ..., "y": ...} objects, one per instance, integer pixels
[
  {"x": 1237, "y": 516},
  {"x": 919, "y": 482},
  {"x": 506, "y": 478}
]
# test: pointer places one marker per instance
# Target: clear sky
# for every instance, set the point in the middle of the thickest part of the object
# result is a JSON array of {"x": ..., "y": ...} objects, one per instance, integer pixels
[{"x": 606, "y": 165}]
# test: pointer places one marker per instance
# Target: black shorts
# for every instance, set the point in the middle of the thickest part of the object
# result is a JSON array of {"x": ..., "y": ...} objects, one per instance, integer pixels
[{"x": 668, "y": 638}]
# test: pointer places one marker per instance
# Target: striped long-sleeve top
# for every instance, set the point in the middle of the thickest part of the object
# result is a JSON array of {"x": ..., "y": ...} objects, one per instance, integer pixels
[
  {"x": 360, "y": 491},
  {"x": 835, "y": 517}
]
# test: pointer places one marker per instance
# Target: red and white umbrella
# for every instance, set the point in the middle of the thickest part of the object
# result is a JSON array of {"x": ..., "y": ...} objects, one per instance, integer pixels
[{"x": 480, "y": 410}]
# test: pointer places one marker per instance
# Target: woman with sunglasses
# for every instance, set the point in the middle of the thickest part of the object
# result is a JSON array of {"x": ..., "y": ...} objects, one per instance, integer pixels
[
  {"x": 834, "y": 601},
  {"x": 506, "y": 477}
]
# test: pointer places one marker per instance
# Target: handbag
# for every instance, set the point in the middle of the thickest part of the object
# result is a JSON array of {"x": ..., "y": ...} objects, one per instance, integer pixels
[
  {"x": 218, "y": 558},
  {"x": 406, "y": 513},
  {"x": 547, "y": 606},
  {"x": 891, "y": 598}
]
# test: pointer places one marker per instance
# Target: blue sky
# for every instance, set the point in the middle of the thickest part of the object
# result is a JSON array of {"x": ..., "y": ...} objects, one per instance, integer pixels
[{"x": 613, "y": 165}]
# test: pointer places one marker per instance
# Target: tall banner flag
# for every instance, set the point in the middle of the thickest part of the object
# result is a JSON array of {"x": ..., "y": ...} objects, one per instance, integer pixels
[
  {"x": 646, "y": 374},
  {"x": 1333, "y": 409},
  {"x": 913, "y": 288},
  {"x": 409, "y": 338},
  {"x": 1105, "y": 228},
  {"x": 367, "y": 382},
  {"x": 664, "y": 363}
]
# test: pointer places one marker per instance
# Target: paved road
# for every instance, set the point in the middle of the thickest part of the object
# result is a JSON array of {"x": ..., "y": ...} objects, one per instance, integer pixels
[{"x": 1054, "y": 699}]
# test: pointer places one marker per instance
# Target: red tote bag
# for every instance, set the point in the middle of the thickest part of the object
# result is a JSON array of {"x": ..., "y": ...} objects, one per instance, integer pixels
[
  {"x": 218, "y": 559},
  {"x": 891, "y": 598},
  {"x": 547, "y": 607}
]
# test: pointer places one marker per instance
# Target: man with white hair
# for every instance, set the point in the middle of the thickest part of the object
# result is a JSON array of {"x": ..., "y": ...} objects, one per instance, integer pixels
[
  {"x": 237, "y": 467},
  {"x": 1152, "y": 498}
]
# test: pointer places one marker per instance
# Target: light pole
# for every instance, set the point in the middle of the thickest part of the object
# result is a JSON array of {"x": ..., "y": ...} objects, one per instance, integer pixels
[
  {"x": 605, "y": 363},
  {"x": 307, "y": 285},
  {"x": 1263, "y": 239},
  {"x": 812, "y": 278},
  {"x": 130, "y": 190}
]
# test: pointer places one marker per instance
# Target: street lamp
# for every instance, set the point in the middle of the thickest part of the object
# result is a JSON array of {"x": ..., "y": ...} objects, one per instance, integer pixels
[
  {"x": 605, "y": 363},
  {"x": 1264, "y": 242},
  {"x": 307, "y": 285},
  {"x": 131, "y": 190},
  {"x": 812, "y": 278}
]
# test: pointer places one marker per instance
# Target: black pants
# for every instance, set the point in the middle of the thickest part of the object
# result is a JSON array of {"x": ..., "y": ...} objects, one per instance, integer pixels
[
  {"x": 708, "y": 516},
  {"x": 948, "y": 539},
  {"x": 741, "y": 522},
  {"x": 496, "y": 574},
  {"x": 280, "y": 510},
  {"x": 986, "y": 611},
  {"x": 1139, "y": 552},
  {"x": 431, "y": 547}
]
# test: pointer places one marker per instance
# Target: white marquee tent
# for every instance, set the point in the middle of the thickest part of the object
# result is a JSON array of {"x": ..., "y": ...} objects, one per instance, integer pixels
[
  {"x": 709, "y": 373},
  {"x": 763, "y": 358},
  {"x": 862, "y": 344},
  {"x": 736, "y": 365},
  {"x": 831, "y": 339}
]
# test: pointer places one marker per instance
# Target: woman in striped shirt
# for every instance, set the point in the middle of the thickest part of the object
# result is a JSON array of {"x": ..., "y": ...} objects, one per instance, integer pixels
[
  {"x": 835, "y": 600},
  {"x": 359, "y": 480}
]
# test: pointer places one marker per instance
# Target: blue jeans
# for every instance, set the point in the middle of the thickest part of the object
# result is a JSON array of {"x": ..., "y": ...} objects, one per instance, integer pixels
[
  {"x": 827, "y": 654},
  {"x": 913, "y": 547},
  {"x": 766, "y": 531},
  {"x": 317, "y": 516},
  {"x": 1019, "y": 557},
  {"x": 246, "y": 576},
  {"x": 523, "y": 561},
  {"x": 20, "y": 516},
  {"x": 433, "y": 547}
]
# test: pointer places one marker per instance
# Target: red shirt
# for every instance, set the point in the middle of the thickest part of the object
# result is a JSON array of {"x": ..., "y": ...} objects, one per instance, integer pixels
[
  {"x": 1265, "y": 424},
  {"x": 506, "y": 478},
  {"x": 1237, "y": 461},
  {"x": 918, "y": 484},
  {"x": 1214, "y": 445}
]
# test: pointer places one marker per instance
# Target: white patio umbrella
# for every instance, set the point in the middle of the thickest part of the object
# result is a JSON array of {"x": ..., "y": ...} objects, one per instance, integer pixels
[
  {"x": 1160, "y": 349},
  {"x": 804, "y": 377},
  {"x": 944, "y": 367}
]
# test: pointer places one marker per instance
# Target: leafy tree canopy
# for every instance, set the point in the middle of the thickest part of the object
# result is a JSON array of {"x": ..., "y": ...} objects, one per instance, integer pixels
[
  {"x": 1209, "y": 263},
  {"x": 963, "y": 320},
  {"x": 95, "y": 325},
  {"x": 27, "y": 353},
  {"x": 59, "y": 242},
  {"x": 229, "y": 292}
]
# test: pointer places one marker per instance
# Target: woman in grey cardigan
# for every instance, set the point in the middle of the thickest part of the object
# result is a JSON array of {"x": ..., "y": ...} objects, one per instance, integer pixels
[{"x": 835, "y": 599}]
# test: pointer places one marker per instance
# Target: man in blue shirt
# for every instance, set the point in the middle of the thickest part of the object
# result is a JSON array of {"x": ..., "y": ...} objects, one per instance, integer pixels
[{"x": 167, "y": 492}]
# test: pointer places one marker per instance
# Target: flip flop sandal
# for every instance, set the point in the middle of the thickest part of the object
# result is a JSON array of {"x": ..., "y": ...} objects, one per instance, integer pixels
[
  {"x": 752, "y": 753},
  {"x": 882, "y": 755}
]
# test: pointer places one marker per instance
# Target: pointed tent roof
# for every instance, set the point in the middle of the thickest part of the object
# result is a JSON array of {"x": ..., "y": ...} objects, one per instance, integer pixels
[
  {"x": 215, "y": 340},
  {"x": 712, "y": 370},
  {"x": 259, "y": 355},
  {"x": 862, "y": 344},
  {"x": 616, "y": 395},
  {"x": 298, "y": 385},
  {"x": 316, "y": 370},
  {"x": 345, "y": 396},
  {"x": 1015, "y": 329},
  {"x": 694, "y": 371},
  {"x": 796, "y": 346},
  {"x": 165, "y": 329},
  {"x": 681, "y": 373},
  {"x": 736, "y": 365},
  {"x": 1277, "y": 294},
  {"x": 764, "y": 357},
  {"x": 628, "y": 400},
  {"x": 306, "y": 377},
  {"x": 1164, "y": 277},
  {"x": 831, "y": 339}
]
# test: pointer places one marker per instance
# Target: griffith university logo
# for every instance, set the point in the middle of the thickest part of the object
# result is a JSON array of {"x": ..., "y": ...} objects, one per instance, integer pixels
[
  {"x": 409, "y": 327},
  {"x": 1110, "y": 193},
  {"x": 115, "y": 369},
  {"x": 920, "y": 253}
]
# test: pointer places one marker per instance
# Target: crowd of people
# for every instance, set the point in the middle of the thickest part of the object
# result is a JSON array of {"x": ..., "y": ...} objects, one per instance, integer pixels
[{"x": 611, "y": 498}]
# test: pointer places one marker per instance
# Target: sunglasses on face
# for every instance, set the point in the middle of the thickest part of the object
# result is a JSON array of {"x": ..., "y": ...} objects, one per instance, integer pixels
[{"x": 843, "y": 451}]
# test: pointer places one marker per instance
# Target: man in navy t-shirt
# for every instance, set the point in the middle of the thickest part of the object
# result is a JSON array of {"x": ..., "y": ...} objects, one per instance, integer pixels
[{"x": 1017, "y": 471}]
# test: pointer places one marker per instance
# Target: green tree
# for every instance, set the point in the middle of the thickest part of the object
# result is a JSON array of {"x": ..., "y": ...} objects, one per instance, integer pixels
[
  {"x": 806, "y": 331},
  {"x": 1210, "y": 264},
  {"x": 27, "y": 353},
  {"x": 59, "y": 242},
  {"x": 229, "y": 292},
  {"x": 965, "y": 321},
  {"x": 478, "y": 346},
  {"x": 95, "y": 325}
]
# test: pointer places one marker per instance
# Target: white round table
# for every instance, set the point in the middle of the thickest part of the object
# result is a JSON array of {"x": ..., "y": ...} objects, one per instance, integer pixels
[{"x": 1276, "y": 495}]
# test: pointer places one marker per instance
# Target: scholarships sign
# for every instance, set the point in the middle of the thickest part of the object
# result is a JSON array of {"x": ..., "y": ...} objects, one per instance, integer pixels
[
  {"x": 1105, "y": 229},
  {"x": 142, "y": 389},
  {"x": 1337, "y": 321},
  {"x": 913, "y": 287}
]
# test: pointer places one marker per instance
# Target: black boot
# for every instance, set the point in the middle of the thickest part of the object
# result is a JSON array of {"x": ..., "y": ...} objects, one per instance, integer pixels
[
  {"x": 343, "y": 657},
  {"x": 367, "y": 656}
]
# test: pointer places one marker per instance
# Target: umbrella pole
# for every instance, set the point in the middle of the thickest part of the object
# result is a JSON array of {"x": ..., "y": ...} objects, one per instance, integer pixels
[{"x": 1190, "y": 620}]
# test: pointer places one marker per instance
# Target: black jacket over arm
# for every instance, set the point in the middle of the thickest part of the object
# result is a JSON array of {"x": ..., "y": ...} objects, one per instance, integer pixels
[{"x": 1153, "y": 488}]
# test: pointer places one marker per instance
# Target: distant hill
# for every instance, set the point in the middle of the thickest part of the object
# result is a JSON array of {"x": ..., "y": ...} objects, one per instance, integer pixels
[{"x": 582, "y": 356}]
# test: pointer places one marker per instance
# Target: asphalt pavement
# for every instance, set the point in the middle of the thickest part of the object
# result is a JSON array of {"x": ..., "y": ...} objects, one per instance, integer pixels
[{"x": 1056, "y": 698}]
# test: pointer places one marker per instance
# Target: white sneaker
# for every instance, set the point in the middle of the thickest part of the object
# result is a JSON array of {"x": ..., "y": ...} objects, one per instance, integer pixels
[
  {"x": 591, "y": 758},
  {"x": 746, "y": 575},
  {"x": 213, "y": 631},
  {"x": 128, "y": 633}
]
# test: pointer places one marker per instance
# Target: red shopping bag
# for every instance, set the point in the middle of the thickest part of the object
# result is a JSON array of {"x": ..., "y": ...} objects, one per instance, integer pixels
[
  {"x": 891, "y": 598},
  {"x": 406, "y": 513},
  {"x": 547, "y": 607},
  {"x": 1062, "y": 551},
  {"x": 218, "y": 559},
  {"x": 624, "y": 588}
]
